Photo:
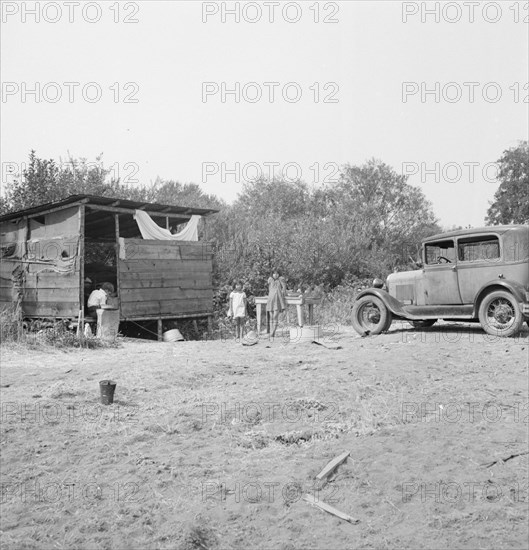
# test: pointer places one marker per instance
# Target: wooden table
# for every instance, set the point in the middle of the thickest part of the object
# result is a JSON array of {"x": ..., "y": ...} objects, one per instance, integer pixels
[{"x": 298, "y": 301}]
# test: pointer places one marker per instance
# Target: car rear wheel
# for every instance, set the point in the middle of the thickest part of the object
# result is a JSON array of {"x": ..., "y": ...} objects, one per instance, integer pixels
[
  {"x": 370, "y": 315},
  {"x": 499, "y": 314},
  {"x": 423, "y": 323}
]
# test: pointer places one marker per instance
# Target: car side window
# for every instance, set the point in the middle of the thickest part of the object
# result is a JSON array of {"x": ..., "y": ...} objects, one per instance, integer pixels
[
  {"x": 479, "y": 249},
  {"x": 441, "y": 252}
]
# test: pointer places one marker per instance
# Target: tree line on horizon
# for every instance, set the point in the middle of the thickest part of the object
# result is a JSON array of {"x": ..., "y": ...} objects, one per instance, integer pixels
[{"x": 368, "y": 223}]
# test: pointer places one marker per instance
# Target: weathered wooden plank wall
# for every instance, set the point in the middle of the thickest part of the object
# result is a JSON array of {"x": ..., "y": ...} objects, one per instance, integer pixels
[
  {"x": 50, "y": 278},
  {"x": 165, "y": 278}
]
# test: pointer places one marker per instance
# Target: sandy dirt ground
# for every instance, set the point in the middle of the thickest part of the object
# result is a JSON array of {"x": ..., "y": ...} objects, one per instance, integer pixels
[{"x": 212, "y": 445}]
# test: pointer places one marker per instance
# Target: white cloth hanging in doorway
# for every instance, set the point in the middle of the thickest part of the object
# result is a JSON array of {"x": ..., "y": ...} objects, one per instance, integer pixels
[{"x": 151, "y": 230}]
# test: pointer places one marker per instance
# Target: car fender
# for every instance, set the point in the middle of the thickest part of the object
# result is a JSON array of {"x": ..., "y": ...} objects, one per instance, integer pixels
[
  {"x": 515, "y": 288},
  {"x": 390, "y": 302}
]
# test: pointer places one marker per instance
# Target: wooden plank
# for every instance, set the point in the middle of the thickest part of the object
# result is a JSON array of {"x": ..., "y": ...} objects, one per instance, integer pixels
[
  {"x": 165, "y": 252},
  {"x": 135, "y": 252},
  {"x": 6, "y": 295},
  {"x": 81, "y": 297},
  {"x": 7, "y": 267},
  {"x": 175, "y": 307},
  {"x": 118, "y": 275},
  {"x": 156, "y": 294},
  {"x": 51, "y": 294},
  {"x": 184, "y": 266},
  {"x": 172, "y": 283},
  {"x": 332, "y": 465},
  {"x": 145, "y": 276},
  {"x": 53, "y": 280},
  {"x": 184, "y": 244},
  {"x": 57, "y": 208},
  {"x": 50, "y": 279},
  {"x": 153, "y": 248},
  {"x": 202, "y": 314},
  {"x": 329, "y": 509},
  {"x": 203, "y": 281},
  {"x": 153, "y": 213},
  {"x": 59, "y": 223},
  {"x": 47, "y": 309},
  {"x": 52, "y": 248}
]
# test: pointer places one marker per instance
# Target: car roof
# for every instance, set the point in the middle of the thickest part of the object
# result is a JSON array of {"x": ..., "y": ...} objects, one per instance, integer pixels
[{"x": 499, "y": 229}]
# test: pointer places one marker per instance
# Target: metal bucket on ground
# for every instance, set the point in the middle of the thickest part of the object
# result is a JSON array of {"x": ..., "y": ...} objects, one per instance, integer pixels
[
  {"x": 173, "y": 335},
  {"x": 107, "y": 389}
]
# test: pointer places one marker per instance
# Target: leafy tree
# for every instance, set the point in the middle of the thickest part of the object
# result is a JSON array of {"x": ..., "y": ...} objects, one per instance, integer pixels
[
  {"x": 365, "y": 225},
  {"x": 278, "y": 197},
  {"x": 38, "y": 185},
  {"x": 187, "y": 194},
  {"x": 511, "y": 200},
  {"x": 45, "y": 181}
]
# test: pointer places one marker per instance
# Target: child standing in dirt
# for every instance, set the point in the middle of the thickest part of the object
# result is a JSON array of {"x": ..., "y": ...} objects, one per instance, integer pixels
[
  {"x": 276, "y": 303},
  {"x": 237, "y": 309}
]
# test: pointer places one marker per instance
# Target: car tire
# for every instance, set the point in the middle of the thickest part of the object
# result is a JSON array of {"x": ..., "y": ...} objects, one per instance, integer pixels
[
  {"x": 389, "y": 322},
  {"x": 500, "y": 315},
  {"x": 423, "y": 323},
  {"x": 370, "y": 316}
]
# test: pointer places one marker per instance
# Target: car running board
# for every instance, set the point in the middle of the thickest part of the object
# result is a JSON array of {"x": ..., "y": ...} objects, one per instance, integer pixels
[{"x": 438, "y": 312}]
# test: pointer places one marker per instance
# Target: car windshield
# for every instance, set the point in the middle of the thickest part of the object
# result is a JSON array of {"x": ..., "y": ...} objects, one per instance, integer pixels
[{"x": 440, "y": 252}]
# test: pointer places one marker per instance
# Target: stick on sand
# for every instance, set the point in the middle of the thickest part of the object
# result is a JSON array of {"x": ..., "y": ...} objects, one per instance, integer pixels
[
  {"x": 329, "y": 509},
  {"x": 332, "y": 465}
]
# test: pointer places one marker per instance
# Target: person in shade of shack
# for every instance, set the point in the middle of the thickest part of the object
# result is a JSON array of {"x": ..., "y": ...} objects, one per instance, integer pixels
[
  {"x": 99, "y": 297},
  {"x": 276, "y": 303}
]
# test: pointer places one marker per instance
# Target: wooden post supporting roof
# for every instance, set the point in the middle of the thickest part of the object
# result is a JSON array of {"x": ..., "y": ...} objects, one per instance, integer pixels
[
  {"x": 118, "y": 285},
  {"x": 82, "y": 214}
]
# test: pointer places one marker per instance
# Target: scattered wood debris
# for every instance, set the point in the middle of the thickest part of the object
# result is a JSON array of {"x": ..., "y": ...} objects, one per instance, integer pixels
[
  {"x": 332, "y": 465},
  {"x": 325, "y": 346},
  {"x": 502, "y": 460},
  {"x": 329, "y": 509}
]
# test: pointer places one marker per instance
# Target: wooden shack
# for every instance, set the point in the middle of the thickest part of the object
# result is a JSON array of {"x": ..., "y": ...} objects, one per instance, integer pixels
[{"x": 54, "y": 255}]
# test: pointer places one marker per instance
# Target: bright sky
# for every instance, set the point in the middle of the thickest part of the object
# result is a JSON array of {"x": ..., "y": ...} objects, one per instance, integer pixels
[{"x": 375, "y": 61}]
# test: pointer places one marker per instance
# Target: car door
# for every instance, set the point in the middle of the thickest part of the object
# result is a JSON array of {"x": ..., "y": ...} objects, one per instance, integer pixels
[
  {"x": 441, "y": 285},
  {"x": 479, "y": 262}
]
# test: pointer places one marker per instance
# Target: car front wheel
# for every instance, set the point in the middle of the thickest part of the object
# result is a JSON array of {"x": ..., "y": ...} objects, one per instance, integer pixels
[
  {"x": 500, "y": 315},
  {"x": 370, "y": 315}
]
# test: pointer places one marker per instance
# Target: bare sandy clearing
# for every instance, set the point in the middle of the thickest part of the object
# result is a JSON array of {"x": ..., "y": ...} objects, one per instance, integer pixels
[{"x": 212, "y": 444}]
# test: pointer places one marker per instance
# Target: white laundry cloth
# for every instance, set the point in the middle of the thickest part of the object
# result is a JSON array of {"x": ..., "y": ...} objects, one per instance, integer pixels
[{"x": 151, "y": 230}]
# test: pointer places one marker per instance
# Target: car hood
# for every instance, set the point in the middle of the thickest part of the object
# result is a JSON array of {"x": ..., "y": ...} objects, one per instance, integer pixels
[{"x": 404, "y": 277}]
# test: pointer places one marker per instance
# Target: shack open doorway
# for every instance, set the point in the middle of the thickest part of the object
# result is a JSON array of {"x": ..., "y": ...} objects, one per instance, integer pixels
[{"x": 100, "y": 251}]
